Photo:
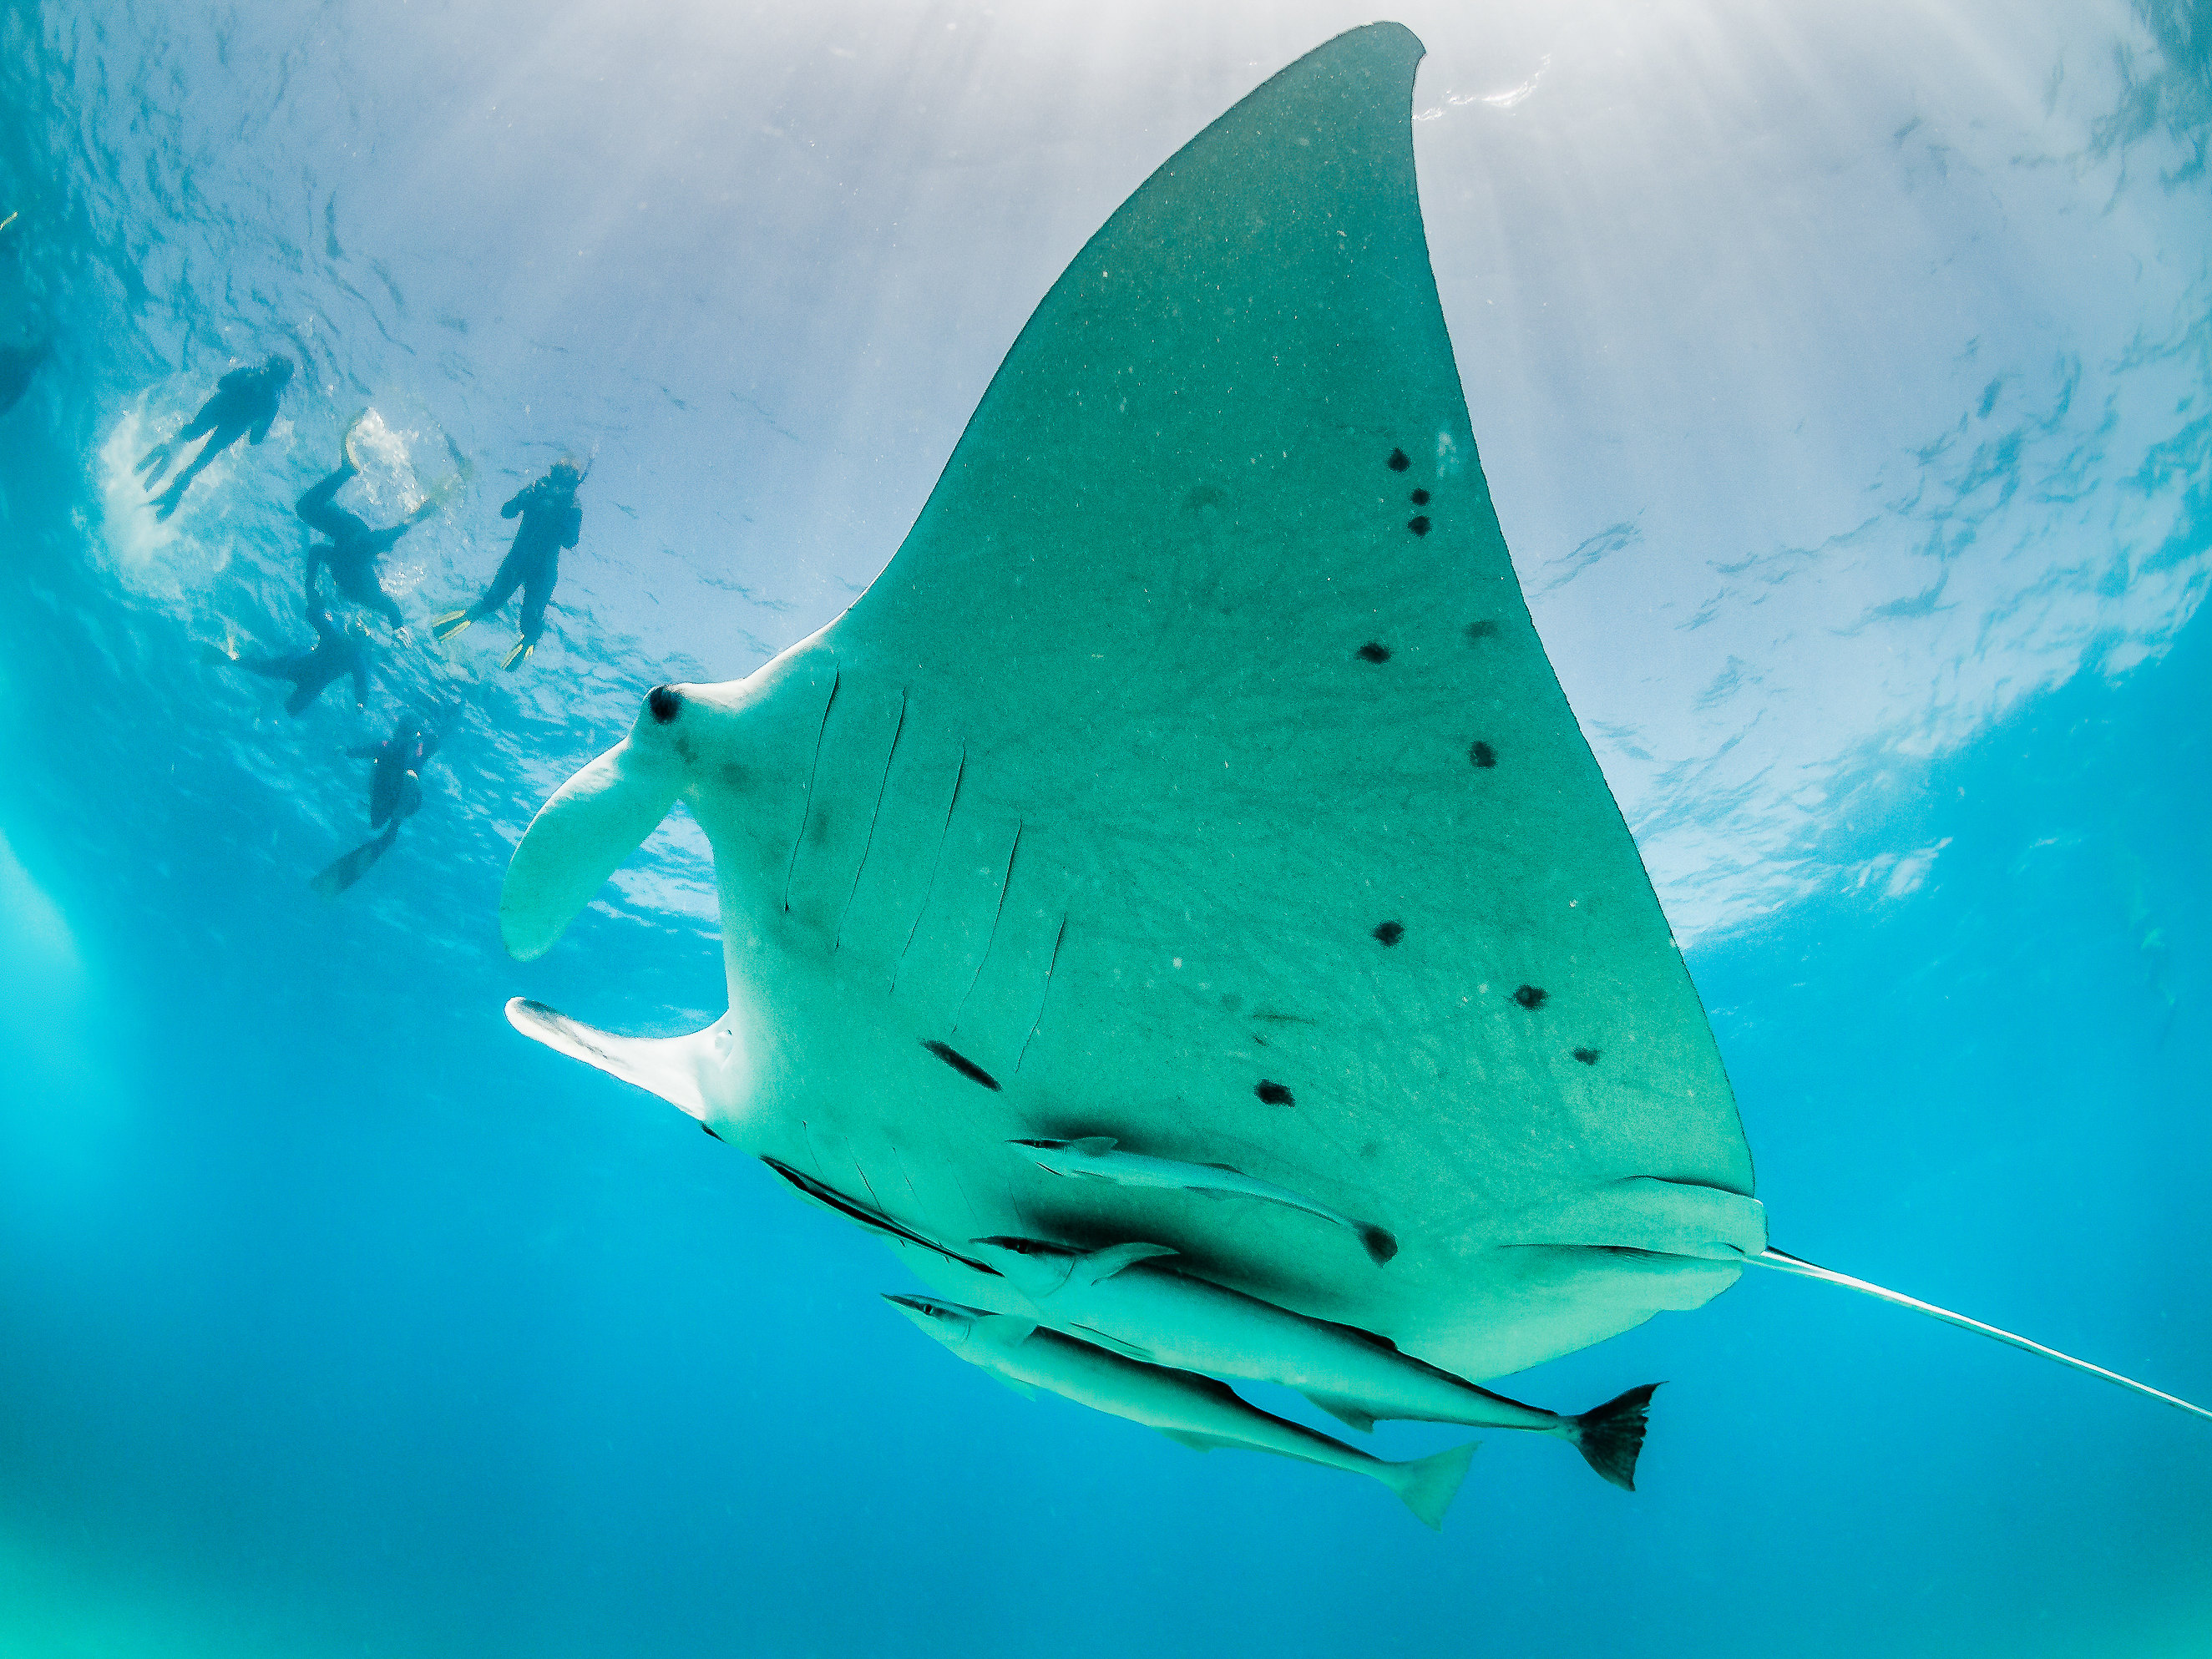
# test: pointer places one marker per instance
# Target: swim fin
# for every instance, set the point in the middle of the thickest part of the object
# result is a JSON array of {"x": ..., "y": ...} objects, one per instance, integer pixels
[
  {"x": 350, "y": 868},
  {"x": 450, "y": 624},
  {"x": 522, "y": 649},
  {"x": 345, "y": 441}
]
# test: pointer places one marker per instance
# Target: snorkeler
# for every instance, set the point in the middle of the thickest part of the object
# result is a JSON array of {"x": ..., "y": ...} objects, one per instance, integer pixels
[
  {"x": 395, "y": 793},
  {"x": 243, "y": 404},
  {"x": 551, "y": 520},
  {"x": 337, "y": 651},
  {"x": 17, "y": 365},
  {"x": 353, "y": 548}
]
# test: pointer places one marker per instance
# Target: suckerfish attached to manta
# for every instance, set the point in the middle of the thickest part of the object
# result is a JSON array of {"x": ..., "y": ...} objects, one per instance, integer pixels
[
  {"x": 1096, "y": 1158},
  {"x": 1194, "y": 1410},
  {"x": 1123, "y": 1299}
]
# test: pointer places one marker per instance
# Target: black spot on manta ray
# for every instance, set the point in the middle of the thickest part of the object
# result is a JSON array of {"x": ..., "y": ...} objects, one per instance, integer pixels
[
  {"x": 1374, "y": 651},
  {"x": 1531, "y": 996},
  {"x": 1588, "y": 1056},
  {"x": 1398, "y": 461},
  {"x": 1482, "y": 754},
  {"x": 1418, "y": 524},
  {"x": 1482, "y": 630},
  {"x": 665, "y": 702},
  {"x": 1390, "y": 932},
  {"x": 1421, "y": 498},
  {"x": 1273, "y": 1093},
  {"x": 960, "y": 1063}
]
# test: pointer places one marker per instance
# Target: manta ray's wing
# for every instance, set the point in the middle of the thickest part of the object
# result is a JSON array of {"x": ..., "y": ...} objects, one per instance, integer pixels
[{"x": 1194, "y": 770}]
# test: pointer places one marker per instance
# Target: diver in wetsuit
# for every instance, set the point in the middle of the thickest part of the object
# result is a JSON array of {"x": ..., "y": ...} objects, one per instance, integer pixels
[
  {"x": 395, "y": 793},
  {"x": 337, "y": 651},
  {"x": 551, "y": 520},
  {"x": 353, "y": 548},
  {"x": 17, "y": 365},
  {"x": 243, "y": 405}
]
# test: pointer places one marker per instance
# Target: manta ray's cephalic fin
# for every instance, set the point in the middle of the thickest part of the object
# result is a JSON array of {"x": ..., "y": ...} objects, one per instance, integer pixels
[
  {"x": 678, "y": 1069},
  {"x": 579, "y": 837}
]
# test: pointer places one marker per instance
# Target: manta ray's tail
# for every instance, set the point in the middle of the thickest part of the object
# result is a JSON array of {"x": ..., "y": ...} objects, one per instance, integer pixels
[
  {"x": 1783, "y": 1261},
  {"x": 1427, "y": 1485},
  {"x": 1611, "y": 1436}
]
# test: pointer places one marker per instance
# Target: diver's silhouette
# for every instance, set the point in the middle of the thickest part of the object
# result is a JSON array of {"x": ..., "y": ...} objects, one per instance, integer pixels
[
  {"x": 17, "y": 365},
  {"x": 353, "y": 548},
  {"x": 337, "y": 651},
  {"x": 395, "y": 793},
  {"x": 243, "y": 405},
  {"x": 551, "y": 520}
]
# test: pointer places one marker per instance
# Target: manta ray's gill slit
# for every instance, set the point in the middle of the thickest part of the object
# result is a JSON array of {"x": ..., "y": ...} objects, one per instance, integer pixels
[
  {"x": 868, "y": 846},
  {"x": 1005, "y": 882},
  {"x": 799, "y": 840},
  {"x": 930, "y": 886},
  {"x": 1482, "y": 755},
  {"x": 903, "y": 1175},
  {"x": 960, "y": 1063},
  {"x": 865, "y": 1181},
  {"x": 1059, "y": 939}
]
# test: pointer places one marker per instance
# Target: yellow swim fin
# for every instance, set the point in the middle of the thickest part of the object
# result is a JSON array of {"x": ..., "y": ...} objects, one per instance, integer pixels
[
  {"x": 522, "y": 649},
  {"x": 450, "y": 624}
]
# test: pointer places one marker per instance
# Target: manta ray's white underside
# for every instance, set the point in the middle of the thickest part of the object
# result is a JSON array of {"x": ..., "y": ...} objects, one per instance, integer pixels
[{"x": 1193, "y": 776}]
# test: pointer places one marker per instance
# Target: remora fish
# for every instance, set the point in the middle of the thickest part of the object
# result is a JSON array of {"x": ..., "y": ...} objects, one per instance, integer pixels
[
  {"x": 1096, "y": 1158},
  {"x": 1195, "y": 1411},
  {"x": 1123, "y": 1299}
]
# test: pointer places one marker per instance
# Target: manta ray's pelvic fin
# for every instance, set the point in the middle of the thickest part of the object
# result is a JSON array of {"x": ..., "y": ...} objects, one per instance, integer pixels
[
  {"x": 676, "y": 1069},
  {"x": 1783, "y": 1261}
]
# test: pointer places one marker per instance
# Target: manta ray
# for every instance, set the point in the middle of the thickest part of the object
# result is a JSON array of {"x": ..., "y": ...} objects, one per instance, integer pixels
[{"x": 1192, "y": 786}]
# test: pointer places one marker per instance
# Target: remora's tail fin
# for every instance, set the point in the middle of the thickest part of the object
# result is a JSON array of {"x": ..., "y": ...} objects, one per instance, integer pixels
[
  {"x": 580, "y": 836},
  {"x": 1783, "y": 1261},
  {"x": 1610, "y": 1436},
  {"x": 1380, "y": 1244},
  {"x": 1428, "y": 1485},
  {"x": 675, "y": 1069}
]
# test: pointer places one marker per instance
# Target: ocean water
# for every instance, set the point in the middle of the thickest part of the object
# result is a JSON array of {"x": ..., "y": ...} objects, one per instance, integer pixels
[{"x": 1842, "y": 374}]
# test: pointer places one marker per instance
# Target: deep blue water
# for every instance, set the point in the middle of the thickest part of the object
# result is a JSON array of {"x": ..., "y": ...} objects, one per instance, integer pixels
[{"x": 1844, "y": 380}]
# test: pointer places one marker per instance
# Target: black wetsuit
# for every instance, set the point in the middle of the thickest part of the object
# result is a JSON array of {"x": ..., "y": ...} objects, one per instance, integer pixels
[
  {"x": 335, "y": 652},
  {"x": 398, "y": 758},
  {"x": 243, "y": 404},
  {"x": 551, "y": 519},
  {"x": 353, "y": 549},
  {"x": 395, "y": 794}
]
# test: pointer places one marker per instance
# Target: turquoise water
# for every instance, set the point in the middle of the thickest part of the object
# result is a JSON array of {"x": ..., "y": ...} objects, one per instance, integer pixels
[{"x": 1841, "y": 379}]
